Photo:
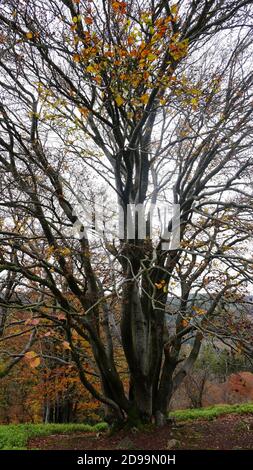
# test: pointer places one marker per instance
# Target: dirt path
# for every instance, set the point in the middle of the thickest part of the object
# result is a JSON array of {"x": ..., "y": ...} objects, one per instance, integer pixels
[{"x": 225, "y": 432}]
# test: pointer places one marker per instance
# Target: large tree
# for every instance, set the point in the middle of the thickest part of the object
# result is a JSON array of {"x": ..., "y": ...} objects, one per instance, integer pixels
[{"x": 144, "y": 102}]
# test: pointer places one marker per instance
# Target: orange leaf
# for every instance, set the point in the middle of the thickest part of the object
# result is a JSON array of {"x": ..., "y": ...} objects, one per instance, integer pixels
[
  {"x": 76, "y": 58},
  {"x": 119, "y": 7},
  {"x": 130, "y": 40},
  {"x": 88, "y": 20},
  {"x": 144, "y": 98},
  {"x": 160, "y": 285},
  {"x": 84, "y": 111}
]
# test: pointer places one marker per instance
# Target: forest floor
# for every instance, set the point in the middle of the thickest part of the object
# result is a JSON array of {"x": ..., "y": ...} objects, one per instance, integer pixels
[
  {"x": 224, "y": 432},
  {"x": 222, "y": 427}
]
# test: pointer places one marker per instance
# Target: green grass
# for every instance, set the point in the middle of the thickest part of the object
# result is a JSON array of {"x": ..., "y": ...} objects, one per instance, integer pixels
[
  {"x": 211, "y": 412},
  {"x": 16, "y": 436}
]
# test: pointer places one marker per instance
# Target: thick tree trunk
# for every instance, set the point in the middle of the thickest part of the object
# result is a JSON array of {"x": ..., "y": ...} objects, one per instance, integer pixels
[
  {"x": 165, "y": 391},
  {"x": 141, "y": 400},
  {"x": 142, "y": 337},
  {"x": 144, "y": 409},
  {"x": 152, "y": 356}
]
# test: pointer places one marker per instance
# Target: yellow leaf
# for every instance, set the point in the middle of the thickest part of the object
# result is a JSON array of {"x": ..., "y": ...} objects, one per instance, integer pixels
[
  {"x": 35, "y": 362},
  {"x": 30, "y": 355},
  {"x": 66, "y": 345},
  {"x": 174, "y": 9},
  {"x": 195, "y": 92},
  {"x": 151, "y": 57},
  {"x": 29, "y": 35},
  {"x": 33, "y": 359},
  {"x": 198, "y": 310},
  {"x": 64, "y": 251},
  {"x": 226, "y": 247},
  {"x": 91, "y": 69},
  {"x": 194, "y": 102},
  {"x": 119, "y": 100},
  {"x": 32, "y": 114}
]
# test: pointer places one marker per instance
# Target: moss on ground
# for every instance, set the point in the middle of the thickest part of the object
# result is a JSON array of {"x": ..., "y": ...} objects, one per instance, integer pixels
[
  {"x": 211, "y": 412},
  {"x": 16, "y": 437}
]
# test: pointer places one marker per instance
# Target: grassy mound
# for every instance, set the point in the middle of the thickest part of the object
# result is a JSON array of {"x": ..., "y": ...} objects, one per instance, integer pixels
[
  {"x": 15, "y": 437},
  {"x": 211, "y": 412}
]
